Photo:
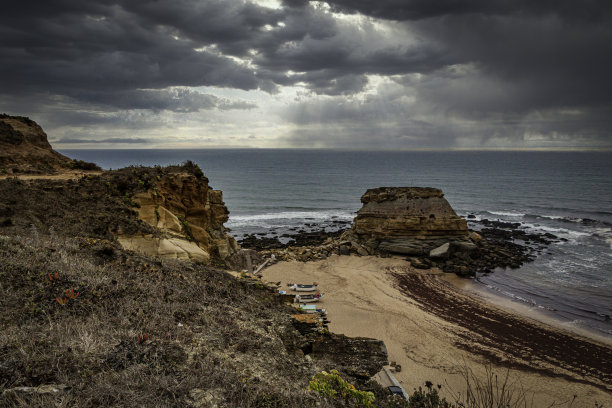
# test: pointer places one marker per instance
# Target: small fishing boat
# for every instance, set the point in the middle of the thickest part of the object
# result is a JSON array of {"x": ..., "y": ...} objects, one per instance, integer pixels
[
  {"x": 312, "y": 309},
  {"x": 307, "y": 298},
  {"x": 298, "y": 287}
]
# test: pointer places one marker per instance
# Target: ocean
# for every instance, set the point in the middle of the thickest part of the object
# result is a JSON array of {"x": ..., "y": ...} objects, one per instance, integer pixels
[{"x": 568, "y": 194}]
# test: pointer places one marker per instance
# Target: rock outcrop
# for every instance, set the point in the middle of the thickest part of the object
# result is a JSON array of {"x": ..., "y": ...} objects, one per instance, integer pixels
[
  {"x": 19, "y": 130},
  {"x": 187, "y": 213},
  {"x": 358, "y": 357},
  {"x": 190, "y": 213},
  {"x": 24, "y": 148},
  {"x": 408, "y": 220}
]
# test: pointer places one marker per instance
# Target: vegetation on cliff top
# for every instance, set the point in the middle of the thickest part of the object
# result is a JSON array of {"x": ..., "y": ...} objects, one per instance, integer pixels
[{"x": 97, "y": 206}]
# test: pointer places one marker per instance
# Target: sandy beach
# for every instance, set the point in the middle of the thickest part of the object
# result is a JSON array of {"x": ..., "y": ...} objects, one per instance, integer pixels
[{"x": 436, "y": 330}]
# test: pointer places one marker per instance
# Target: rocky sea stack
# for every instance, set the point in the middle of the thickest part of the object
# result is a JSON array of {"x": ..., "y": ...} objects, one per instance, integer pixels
[{"x": 408, "y": 220}]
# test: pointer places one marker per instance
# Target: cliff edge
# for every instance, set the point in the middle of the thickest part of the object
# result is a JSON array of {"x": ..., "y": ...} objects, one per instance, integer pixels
[
  {"x": 24, "y": 148},
  {"x": 189, "y": 212},
  {"x": 84, "y": 253}
]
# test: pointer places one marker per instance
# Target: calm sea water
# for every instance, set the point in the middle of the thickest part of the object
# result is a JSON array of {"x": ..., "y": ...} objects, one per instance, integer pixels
[{"x": 567, "y": 194}]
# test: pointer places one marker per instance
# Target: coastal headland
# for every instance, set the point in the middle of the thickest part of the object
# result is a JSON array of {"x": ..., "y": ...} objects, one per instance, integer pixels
[{"x": 124, "y": 288}]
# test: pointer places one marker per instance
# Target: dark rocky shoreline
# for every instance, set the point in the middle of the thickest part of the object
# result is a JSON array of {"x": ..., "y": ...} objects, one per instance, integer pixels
[
  {"x": 300, "y": 238},
  {"x": 503, "y": 245},
  {"x": 499, "y": 245},
  {"x": 416, "y": 222}
]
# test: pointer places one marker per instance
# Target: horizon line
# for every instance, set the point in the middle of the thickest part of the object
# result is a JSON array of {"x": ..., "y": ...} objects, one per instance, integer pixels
[{"x": 422, "y": 149}]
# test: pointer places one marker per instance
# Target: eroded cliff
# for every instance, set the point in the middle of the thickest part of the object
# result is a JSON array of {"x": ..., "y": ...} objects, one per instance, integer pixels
[{"x": 189, "y": 212}]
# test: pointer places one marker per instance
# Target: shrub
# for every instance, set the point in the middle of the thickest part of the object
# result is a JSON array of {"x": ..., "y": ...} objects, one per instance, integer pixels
[
  {"x": 331, "y": 385},
  {"x": 83, "y": 165},
  {"x": 193, "y": 168},
  {"x": 492, "y": 391}
]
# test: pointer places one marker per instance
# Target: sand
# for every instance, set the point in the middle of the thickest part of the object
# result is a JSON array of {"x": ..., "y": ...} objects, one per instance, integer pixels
[{"x": 363, "y": 298}]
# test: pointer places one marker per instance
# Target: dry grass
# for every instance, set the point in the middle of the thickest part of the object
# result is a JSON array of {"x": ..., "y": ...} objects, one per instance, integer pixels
[
  {"x": 498, "y": 390},
  {"x": 210, "y": 336}
]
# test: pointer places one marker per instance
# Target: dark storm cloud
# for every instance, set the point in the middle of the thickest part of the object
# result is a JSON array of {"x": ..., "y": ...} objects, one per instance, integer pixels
[
  {"x": 422, "y": 9},
  {"x": 174, "y": 99},
  {"x": 515, "y": 67},
  {"x": 331, "y": 56},
  {"x": 71, "y": 47},
  {"x": 79, "y": 48},
  {"x": 486, "y": 68},
  {"x": 111, "y": 140},
  {"x": 557, "y": 53}
]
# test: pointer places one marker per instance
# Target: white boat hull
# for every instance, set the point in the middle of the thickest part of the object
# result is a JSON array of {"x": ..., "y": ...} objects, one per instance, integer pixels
[
  {"x": 304, "y": 288},
  {"x": 307, "y": 298}
]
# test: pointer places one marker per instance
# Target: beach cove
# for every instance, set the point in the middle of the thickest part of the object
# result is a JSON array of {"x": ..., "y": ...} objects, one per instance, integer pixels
[
  {"x": 277, "y": 192},
  {"x": 364, "y": 298}
]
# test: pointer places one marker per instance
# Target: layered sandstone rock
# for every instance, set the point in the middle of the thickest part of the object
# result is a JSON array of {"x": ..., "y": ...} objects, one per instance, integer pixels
[
  {"x": 190, "y": 212},
  {"x": 174, "y": 248},
  {"x": 408, "y": 220}
]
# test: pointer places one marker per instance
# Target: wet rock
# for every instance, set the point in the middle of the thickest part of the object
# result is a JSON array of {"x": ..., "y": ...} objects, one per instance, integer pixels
[
  {"x": 260, "y": 243},
  {"x": 299, "y": 239},
  {"x": 464, "y": 246},
  {"x": 419, "y": 263},
  {"x": 344, "y": 250},
  {"x": 475, "y": 237},
  {"x": 440, "y": 252}
]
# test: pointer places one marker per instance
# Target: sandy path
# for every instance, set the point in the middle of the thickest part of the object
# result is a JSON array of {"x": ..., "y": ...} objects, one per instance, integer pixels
[
  {"x": 65, "y": 175},
  {"x": 363, "y": 299}
]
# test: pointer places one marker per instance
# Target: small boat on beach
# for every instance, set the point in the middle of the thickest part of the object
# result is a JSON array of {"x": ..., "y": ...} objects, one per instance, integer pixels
[
  {"x": 312, "y": 309},
  {"x": 307, "y": 298},
  {"x": 303, "y": 288}
]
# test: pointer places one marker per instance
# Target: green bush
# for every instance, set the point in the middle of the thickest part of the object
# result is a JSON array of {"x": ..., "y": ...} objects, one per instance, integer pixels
[
  {"x": 193, "y": 168},
  {"x": 331, "y": 385}
]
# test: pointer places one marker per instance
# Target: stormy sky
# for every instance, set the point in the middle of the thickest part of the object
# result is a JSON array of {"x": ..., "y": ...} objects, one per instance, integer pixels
[{"x": 358, "y": 74}]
